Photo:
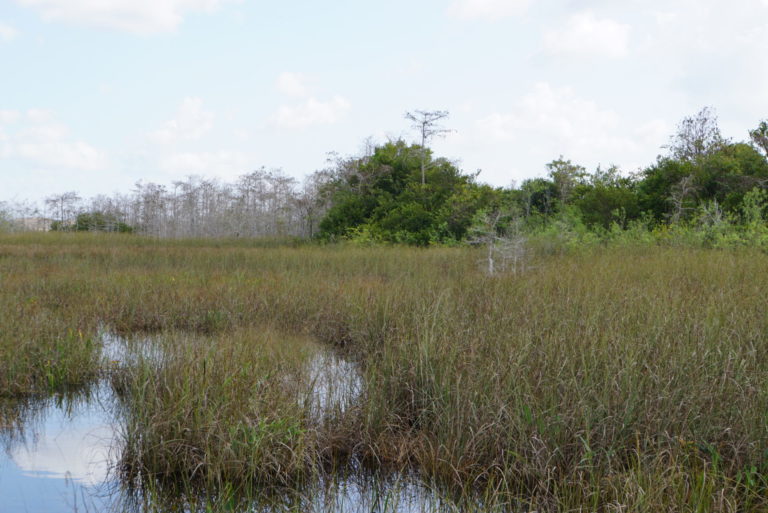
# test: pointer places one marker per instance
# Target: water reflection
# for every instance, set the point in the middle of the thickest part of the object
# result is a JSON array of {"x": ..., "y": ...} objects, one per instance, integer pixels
[
  {"x": 335, "y": 384},
  {"x": 120, "y": 351},
  {"x": 360, "y": 492},
  {"x": 60, "y": 453},
  {"x": 349, "y": 493}
]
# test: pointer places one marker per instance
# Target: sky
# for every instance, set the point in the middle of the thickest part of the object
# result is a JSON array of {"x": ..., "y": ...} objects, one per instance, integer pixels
[{"x": 96, "y": 95}]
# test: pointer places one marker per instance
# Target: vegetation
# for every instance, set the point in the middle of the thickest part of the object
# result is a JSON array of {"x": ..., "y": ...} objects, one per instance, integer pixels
[
  {"x": 582, "y": 342},
  {"x": 381, "y": 198},
  {"x": 402, "y": 193},
  {"x": 629, "y": 377}
]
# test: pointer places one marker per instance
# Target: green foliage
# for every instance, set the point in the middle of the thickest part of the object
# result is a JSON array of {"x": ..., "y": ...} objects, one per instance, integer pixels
[
  {"x": 753, "y": 207},
  {"x": 99, "y": 222},
  {"x": 759, "y": 136},
  {"x": 538, "y": 196},
  {"x": 610, "y": 198},
  {"x": 724, "y": 175},
  {"x": 60, "y": 226},
  {"x": 728, "y": 174},
  {"x": 566, "y": 176},
  {"x": 381, "y": 198},
  {"x": 707, "y": 192},
  {"x": 92, "y": 222},
  {"x": 656, "y": 184}
]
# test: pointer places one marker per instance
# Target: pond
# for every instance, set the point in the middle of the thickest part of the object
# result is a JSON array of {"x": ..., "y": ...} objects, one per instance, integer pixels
[{"x": 60, "y": 453}]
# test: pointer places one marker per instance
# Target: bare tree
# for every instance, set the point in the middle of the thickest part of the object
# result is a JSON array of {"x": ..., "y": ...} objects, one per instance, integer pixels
[
  {"x": 710, "y": 214},
  {"x": 63, "y": 205},
  {"x": 680, "y": 194},
  {"x": 263, "y": 203},
  {"x": 506, "y": 246},
  {"x": 150, "y": 212},
  {"x": 426, "y": 122},
  {"x": 6, "y": 217},
  {"x": 22, "y": 216},
  {"x": 697, "y": 136}
]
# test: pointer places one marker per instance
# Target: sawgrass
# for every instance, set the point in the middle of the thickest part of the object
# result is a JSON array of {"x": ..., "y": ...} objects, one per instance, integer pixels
[{"x": 610, "y": 379}]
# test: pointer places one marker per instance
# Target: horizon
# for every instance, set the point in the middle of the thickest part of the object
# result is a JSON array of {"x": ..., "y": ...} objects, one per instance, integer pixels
[{"x": 104, "y": 96}]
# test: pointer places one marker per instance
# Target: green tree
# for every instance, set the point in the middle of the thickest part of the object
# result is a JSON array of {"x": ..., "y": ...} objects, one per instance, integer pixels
[
  {"x": 538, "y": 197},
  {"x": 723, "y": 175},
  {"x": 566, "y": 176},
  {"x": 609, "y": 198},
  {"x": 382, "y": 196},
  {"x": 100, "y": 222},
  {"x": 759, "y": 136}
]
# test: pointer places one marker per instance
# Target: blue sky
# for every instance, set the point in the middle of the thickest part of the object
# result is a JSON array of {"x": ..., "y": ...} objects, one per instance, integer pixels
[{"x": 97, "y": 94}]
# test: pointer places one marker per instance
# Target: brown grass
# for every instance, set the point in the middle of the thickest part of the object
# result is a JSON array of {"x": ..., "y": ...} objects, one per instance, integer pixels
[{"x": 609, "y": 380}]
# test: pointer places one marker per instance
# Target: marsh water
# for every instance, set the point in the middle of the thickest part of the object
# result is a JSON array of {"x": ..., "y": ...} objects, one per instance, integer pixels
[{"x": 60, "y": 452}]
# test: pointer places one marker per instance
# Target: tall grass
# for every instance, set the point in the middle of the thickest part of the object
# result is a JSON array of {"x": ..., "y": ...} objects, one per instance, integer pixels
[
  {"x": 217, "y": 411},
  {"x": 610, "y": 379}
]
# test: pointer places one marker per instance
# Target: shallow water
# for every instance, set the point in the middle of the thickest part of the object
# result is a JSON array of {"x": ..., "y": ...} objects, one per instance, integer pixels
[
  {"x": 60, "y": 452},
  {"x": 59, "y": 460},
  {"x": 336, "y": 384}
]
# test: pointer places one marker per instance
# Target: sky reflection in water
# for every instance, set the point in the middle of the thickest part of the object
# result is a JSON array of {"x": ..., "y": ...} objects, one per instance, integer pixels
[{"x": 61, "y": 458}]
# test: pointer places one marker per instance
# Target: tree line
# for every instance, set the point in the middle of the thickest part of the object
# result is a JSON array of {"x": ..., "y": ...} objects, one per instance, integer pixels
[{"x": 401, "y": 192}]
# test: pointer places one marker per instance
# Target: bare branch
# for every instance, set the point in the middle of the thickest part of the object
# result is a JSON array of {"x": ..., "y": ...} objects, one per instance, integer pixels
[{"x": 425, "y": 122}]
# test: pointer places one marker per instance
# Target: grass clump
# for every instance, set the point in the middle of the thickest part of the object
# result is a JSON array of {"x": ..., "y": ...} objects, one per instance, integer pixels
[
  {"x": 217, "y": 411},
  {"x": 43, "y": 345},
  {"x": 610, "y": 379}
]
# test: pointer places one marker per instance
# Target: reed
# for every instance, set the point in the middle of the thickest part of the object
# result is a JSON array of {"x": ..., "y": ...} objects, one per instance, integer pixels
[{"x": 611, "y": 379}]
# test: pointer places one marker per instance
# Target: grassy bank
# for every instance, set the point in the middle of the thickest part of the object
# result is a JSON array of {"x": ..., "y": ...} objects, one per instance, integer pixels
[{"x": 609, "y": 379}]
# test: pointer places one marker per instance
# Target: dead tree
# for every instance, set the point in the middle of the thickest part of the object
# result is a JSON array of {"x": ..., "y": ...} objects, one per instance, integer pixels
[
  {"x": 426, "y": 123},
  {"x": 63, "y": 206},
  {"x": 506, "y": 246},
  {"x": 680, "y": 193},
  {"x": 696, "y": 137}
]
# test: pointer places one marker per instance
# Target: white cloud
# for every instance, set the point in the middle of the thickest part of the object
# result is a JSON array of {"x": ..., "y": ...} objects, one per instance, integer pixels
[
  {"x": 292, "y": 84},
  {"x": 63, "y": 458},
  {"x": 312, "y": 112},
  {"x": 216, "y": 163},
  {"x": 39, "y": 137},
  {"x": 42, "y": 129},
  {"x": 708, "y": 51},
  {"x": 138, "y": 16},
  {"x": 585, "y": 34},
  {"x": 71, "y": 155},
  {"x": 487, "y": 9},
  {"x": 665, "y": 17},
  {"x": 40, "y": 116},
  {"x": 651, "y": 133},
  {"x": 8, "y": 116},
  {"x": 557, "y": 111},
  {"x": 7, "y": 32},
  {"x": 550, "y": 121},
  {"x": 191, "y": 123},
  {"x": 185, "y": 145},
  {"x": 77, "y": 447}
]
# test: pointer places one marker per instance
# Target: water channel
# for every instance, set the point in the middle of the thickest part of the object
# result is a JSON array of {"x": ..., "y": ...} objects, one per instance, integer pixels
[{"x": 59, "y": 453}]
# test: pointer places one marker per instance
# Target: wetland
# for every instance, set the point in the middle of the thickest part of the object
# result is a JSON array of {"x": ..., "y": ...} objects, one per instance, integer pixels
[{"x": 146, "y": 375}]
